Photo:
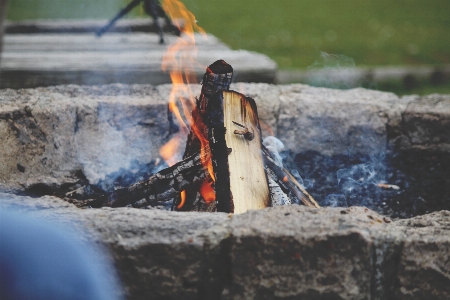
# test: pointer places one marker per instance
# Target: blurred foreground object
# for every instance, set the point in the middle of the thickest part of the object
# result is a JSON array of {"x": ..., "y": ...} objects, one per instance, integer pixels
[
  {"x": 43, "y": 260},
  {"x": 152, "y": 8}
]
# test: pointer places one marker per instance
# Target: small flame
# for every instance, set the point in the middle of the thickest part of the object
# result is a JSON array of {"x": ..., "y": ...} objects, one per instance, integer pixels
[
  {"x": 169, "y": 151},
  {"x": 183, "y": 199},
  {"x": 207, "y": 192},
  {"x": 199, "y": 130}
]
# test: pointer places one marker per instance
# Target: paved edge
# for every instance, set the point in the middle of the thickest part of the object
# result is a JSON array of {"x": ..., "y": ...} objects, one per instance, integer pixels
[{"x": 275, "y": 253}]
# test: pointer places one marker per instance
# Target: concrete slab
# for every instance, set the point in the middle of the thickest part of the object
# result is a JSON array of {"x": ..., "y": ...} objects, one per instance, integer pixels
[
  {"x": 78, "y": 26},
  {"x": 45, "y": 59}
]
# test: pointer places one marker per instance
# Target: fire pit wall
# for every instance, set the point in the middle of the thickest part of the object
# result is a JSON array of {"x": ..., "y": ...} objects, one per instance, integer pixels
[
  {"x": 54, "y": 139},
  {"x": 344, "y": 143}
]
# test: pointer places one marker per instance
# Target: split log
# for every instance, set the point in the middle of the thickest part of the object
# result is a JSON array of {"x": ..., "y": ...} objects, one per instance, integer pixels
[
  {"x": 248, "y": 181},
  {"x": 225, "y": 167}
]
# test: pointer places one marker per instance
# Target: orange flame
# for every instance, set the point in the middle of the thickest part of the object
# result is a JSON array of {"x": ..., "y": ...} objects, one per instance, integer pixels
[
  {"x": 183, "y": 199},
  {"x": 205, "y": 156},
  {"x": 207, "y": 192},
  {"x": 181, "y": 58},
  {"x": 169, "y": 150},
  {"x": 266, "y": 127},
  {"x": 181, "y": 61}
]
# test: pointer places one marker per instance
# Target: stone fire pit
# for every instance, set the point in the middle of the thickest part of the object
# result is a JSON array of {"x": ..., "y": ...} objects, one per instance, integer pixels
[{"x": 343, "y": 143}]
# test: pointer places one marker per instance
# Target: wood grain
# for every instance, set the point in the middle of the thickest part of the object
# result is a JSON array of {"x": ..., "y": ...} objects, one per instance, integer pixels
[{"x": 248, "y": 179}]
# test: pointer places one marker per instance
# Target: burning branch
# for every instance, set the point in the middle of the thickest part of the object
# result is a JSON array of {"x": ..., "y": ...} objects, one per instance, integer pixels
[
  {"x": 161, "y": 187},
  {"x": 287, "y": 182}
]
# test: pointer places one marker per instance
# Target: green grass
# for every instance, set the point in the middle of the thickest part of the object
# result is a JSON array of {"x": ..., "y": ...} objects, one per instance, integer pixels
[
  {"x": 294, "y": 32},
  {"x": 371, "y": 32},
  {"x": 422, "y": 88}
]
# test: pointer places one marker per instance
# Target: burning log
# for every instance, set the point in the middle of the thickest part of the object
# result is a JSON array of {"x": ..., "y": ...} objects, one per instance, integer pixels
[
  {"x": 161, "y": 187},
  {"x": 225, "y": 167}
]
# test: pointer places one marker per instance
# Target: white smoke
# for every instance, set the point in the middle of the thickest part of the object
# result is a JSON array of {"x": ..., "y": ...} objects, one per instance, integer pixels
[{"x": 274, "y": 146}]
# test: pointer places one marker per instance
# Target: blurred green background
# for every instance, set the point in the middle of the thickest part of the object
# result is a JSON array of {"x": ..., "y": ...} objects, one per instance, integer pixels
[{"x": 294, "y": 32}]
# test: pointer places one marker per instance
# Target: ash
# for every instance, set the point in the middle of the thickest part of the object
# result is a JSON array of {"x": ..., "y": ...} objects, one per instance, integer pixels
[
  {"x": 408, "y": 185},
  {"x": 400, "y": 187}
]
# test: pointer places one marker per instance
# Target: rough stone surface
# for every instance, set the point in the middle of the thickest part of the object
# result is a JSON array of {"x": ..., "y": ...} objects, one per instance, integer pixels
[
  {"x": 305, "y": 253},
  {"x": 49, "y": 135},
  {"x": 424, "y": 254},
  {"x": 336, "y": 120},
  {"x": 290, "y": 252},
  {"x": 425, "y": 124},
  {"x": 158, "y": 254}
]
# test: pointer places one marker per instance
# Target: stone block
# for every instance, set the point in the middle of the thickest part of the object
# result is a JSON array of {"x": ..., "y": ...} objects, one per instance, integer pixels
[{"x": 289, "y": 252}]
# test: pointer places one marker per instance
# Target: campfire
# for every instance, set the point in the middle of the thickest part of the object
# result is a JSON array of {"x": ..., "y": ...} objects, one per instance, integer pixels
[
  {"x": 216, "y": 154},
  {"x": 225, "y": 166},
  {"x": 217, "y": 160},
  {"x": 348, "y": 151}
]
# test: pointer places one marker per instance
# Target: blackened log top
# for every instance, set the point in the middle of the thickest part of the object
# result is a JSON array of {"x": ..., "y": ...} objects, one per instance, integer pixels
[
  {"x": 217, "y": 78},
  {"x": 220, "y": 67}
]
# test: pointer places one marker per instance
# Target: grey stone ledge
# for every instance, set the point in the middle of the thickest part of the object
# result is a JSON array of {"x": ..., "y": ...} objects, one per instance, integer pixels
[
  {"x": 290, "y": 252},
  {"x": 61, "y": 130}
]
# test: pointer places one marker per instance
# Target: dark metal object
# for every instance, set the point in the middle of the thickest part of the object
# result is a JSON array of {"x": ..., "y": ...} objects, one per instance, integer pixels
[{"x": 152, "y": 8}]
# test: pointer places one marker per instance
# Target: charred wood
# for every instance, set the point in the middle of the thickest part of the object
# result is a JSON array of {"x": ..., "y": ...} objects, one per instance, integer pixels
[
  {"x": 208, "y": 128},
  {"x": 161, "y": 187},
  {"x": 288, "y": 184}
]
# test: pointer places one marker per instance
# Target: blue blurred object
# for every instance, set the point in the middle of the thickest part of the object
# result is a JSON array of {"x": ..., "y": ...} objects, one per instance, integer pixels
[{"x": 44, "y": 260}]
